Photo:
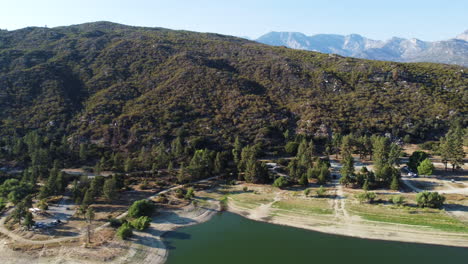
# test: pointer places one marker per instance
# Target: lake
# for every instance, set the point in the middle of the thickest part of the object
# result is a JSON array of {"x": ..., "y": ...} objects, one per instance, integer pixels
[{"x": 229, "y": 238}]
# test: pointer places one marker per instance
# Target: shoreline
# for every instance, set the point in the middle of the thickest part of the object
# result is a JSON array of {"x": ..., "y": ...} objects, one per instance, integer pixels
[
  {"x": 373, "y": 230},
  {"x": 151, "y": 242}
]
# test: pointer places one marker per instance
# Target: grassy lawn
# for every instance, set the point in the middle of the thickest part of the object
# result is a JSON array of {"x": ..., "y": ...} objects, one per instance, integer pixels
[
  {"x": 251, "y": 200},
  {"x": 308, "y": 206},
  {"x": 433, "y": 218}
]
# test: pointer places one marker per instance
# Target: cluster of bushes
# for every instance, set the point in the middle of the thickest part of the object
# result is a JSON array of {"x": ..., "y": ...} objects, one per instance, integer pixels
[{"x": 139, "y": 218}]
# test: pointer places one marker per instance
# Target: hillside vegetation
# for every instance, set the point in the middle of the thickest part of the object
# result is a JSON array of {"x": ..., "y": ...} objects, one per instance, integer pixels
[{"x": 124, "y": 87}]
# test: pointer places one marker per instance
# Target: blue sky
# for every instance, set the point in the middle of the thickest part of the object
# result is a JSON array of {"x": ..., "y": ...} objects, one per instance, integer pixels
[{"x": 423, "y": 19}]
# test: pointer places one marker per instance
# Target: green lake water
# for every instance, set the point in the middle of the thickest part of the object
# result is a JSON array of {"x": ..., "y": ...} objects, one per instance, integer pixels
[{"x": 229, "y": 238}]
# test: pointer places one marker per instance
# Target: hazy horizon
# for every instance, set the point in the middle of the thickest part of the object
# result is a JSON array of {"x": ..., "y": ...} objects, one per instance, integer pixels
[{"x": 426, "y": 20}]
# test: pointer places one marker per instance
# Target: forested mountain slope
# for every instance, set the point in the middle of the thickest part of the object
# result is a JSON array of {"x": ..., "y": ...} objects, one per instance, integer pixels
[{"x": 124, "y": 87}]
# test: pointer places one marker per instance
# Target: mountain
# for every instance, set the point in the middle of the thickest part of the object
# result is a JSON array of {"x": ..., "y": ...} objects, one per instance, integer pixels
[
  {"x": 453, "y": 51},
  {"x": 463, "y": 36},
  {"x": 124, "y": 87}
]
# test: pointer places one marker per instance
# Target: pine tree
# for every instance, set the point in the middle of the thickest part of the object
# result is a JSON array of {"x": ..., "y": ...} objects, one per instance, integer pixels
[
  {"x": 348, "y": 166},
  {"x": 170, "y": 166},
  {"x": 110, "y": 189},
  {"x": 395, "y": 185},
  {"x": 347, "y": 145},
  {"x": 380, "y": 150},
  {"x": 181, "y": 177},
  {"x": 394, "y": 155},
  {"x": 89, "y": 218},
  {"x": 426, "y": 167},
  {"x": 28, "y": 220},
  {"x": 365, "y": 187},
  {"x": 177, "y": 147},
  {"x": 456, "y": 149},
  {"x": 83, "y": 152},
  {"x": 97, "y": 168},
  {"x": 236, "y": 150},
  {"x": 60, "y": 182},
  {"x": 445, "y": 149},
  {"x": 128, "y": 166},
  {"x": 324, "y": 175},
  {"x": 88, "y": 199},
  {"x": 218, "y": 163}
]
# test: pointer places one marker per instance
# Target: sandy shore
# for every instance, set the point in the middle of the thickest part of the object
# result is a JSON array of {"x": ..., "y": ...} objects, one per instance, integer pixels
[
  {"x": 343, "y": 224},
  {"x": 149, "y": 247},
  {"x": 144, "y": 247}
]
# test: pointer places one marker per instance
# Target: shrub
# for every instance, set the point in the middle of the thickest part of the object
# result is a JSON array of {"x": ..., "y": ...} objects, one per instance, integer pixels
[
  {"x": 43, "y": 205},
  {"x": 281, "y": 182},
  {"x": 283, "y": 162},
  {"x": 306, "y": 192},
  {"x": 232, "y": 182},
  {"x": 291, "y": 147},
  {"x": 141, "y": 208},
  {"x": 365, "y": 197},
  {"x": 245, "y": 189},
  {"x": 2, "y": 204},
  {"x": 398, "y": 200},
  {"x": 321, "y": 191},
  {"x": 429, "y": 145},
  {"x": 430, "y": 199},
  {"x": 124, "y": 231},
  {"x": 223, "y": 203},
  {"x": 190, "y": 193},
  {"x": 179, "y": 193},
  {"x": 141, "y": 223},
  {"x": 162, "y": 199},
  {"x": 115, "y": 223}
]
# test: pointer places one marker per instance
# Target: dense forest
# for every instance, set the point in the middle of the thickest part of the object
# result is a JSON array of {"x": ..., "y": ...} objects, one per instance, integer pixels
[{"x": 123, "y": 88}]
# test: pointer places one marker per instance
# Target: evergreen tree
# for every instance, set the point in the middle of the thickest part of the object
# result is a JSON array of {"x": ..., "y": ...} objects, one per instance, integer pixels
[
  {"x": 416, "y": 158},
  {"x": 336, "y": 143},
  {"x": 395, "y": 185},
  {"x": 97, "y": 168},
  {"x": 256, "y": 172},
  {"x": 365, "y": 186},
  {"x": 426, "y": 167},
  {"x": 177, "y": 147},
  {"x": 88, "y": 198},
  {"x": 445, "y": 146},
  {"x": 110, "y": 189},
  {"x": 170, "y": 166},
  {"x": 117, "y": 162},
  {"x": 218, "y": 163},
  {"x": 181, "y": 176},
  {"x": 348, "y": 166},
  {"x": 380, "y": 151},
  {"x": 456, "y": 147},
  {"x": 60, "y": 182},
  {"x": 324, "y": 175},
  {"x": 236, "y": 150},
  {"x": 83, "y": 152},
  {"x": 128, "y": 166},
  {"x": 347, "y": 145},
  {"x": 28, "y": 220},
  {"x": 19, "y": 212},
  {"x": 394, "y": 155}
]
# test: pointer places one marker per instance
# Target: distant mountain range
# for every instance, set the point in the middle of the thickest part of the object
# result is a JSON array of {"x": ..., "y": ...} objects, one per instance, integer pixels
[{"x": 452, "y": 51}]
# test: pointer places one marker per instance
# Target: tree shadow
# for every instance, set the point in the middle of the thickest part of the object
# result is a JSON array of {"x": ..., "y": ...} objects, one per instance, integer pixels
[
  {"x": 173, "y": 218},
  {"x": 456, "y": 207}
]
